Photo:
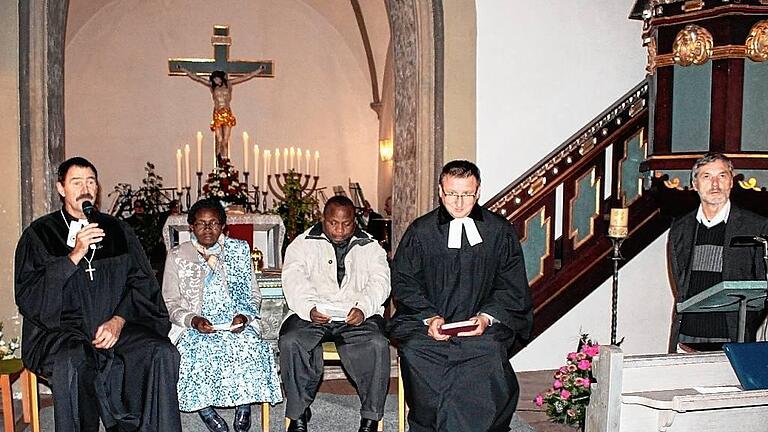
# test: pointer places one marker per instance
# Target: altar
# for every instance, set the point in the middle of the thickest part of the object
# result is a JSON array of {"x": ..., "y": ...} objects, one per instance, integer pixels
[{"x": 264, "y": 232}]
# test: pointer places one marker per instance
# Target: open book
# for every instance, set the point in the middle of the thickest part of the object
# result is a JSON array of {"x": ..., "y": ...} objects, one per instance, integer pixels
[{"x": 457, "y": 327}]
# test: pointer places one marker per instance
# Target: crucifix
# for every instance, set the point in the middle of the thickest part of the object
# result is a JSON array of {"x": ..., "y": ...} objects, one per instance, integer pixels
[
  {"x": 90, "y": 270},
  {"x": 222, "y": 75}
]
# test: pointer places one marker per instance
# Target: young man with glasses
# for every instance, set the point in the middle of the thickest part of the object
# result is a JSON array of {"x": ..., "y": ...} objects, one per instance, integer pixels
[{"x": 459, "y": 263}]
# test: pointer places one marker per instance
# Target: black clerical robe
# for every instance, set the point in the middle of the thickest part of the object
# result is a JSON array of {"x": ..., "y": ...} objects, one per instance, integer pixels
[
  {"x": 131, "y": 386},
  {"x": 465, "y": 383}
]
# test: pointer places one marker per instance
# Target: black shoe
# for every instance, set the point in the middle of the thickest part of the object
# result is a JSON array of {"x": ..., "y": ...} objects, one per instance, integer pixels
[
  {"x": 213, "y": 420},
  {"x": 368, "y": 425},
  {"x": 242, "y": 420},
  {"x": 300, "y": 424}
]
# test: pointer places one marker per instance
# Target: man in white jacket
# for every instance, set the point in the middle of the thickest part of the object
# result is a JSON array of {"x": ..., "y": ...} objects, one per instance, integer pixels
[{"x": 335, "y": 281}]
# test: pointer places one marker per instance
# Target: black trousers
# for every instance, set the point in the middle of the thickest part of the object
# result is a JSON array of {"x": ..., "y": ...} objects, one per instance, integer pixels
[
  {"x": 364, "y": 353},
  {"x": 465, "y": 384}
]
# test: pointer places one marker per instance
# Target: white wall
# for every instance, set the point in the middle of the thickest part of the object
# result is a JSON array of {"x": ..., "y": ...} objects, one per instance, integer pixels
[
  {"x": 543, "y": 72},
  {"x": 122, "y": 108}
]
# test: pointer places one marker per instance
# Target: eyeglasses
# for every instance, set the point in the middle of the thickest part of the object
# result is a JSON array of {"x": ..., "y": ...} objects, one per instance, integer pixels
[
  {"x": 453, "y": 196},
  {"x": 212, "y": 225}
]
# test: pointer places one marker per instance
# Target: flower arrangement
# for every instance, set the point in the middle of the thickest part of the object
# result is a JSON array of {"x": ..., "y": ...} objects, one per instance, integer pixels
[
  {"x": 223, "y": 183},
  {"x": 566, "y": 401},
  {"x": 7, "y": 349}
]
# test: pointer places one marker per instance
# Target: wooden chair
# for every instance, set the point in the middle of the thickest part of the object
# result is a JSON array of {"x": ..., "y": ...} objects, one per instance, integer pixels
[{"x": 10, "y": 371}]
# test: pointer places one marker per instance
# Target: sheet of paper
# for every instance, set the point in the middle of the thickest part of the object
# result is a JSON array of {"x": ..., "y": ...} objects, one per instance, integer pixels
[
  {"x": 336, "y": 313},
  {"x": 223, "y": 327}
]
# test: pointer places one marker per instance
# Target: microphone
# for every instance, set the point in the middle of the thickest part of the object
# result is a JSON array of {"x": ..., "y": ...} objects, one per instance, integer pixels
[
  {"x": 90, "y": 213},
  {"x": 748, "y": 241},
  {"x": 89, "y": 210}
]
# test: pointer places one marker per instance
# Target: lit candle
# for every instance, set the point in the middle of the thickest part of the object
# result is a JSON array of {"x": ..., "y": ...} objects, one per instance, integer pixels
[
  {"x": 298, "y": 160},
  {"x": 618, "y": 226},
  {"x": 277, "y": 161},
  {"x": 246, "y": 159},
  {"x": 199, "y": 151},
  {"x": 285, "y": 159},
  {"x": 267, "y": 158},
  {"x": 178, "y": 170},
  {"x": 293, "y": 158},
  {"x": 186, "y": 166},
  {"x": 307, "y": 154},
  {"x": 317, "y": 163},
  {"x": 256, "y": 165}
]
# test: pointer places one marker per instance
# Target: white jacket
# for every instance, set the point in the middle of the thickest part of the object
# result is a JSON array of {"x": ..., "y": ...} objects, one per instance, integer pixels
[{"x": 309, "y": 274}]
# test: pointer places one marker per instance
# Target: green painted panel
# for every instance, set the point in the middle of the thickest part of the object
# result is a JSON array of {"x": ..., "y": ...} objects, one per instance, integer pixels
[
  {"x": 584, "y": 208},
  {"x": 534, "y": 246},
  {"x": 631, "y": 187},
  {"x": 691, "y": 107},
  {"x": 754, "y": 120}
]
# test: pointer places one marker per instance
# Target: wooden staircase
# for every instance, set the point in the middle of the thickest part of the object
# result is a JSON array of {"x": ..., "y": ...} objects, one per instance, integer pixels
[{"x": 559, "y": 207}]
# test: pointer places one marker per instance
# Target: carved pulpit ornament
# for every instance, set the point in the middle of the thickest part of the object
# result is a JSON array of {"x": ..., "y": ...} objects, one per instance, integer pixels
[
  {"x": 650, "y": 68},
  {"x": 693, "y": 45},
  {"x": 220, "y": 75},
  {"x": 757, "y": 42}
]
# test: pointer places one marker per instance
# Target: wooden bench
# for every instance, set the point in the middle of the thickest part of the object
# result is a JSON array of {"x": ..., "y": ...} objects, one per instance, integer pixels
[{"x": 671, "y": 393}]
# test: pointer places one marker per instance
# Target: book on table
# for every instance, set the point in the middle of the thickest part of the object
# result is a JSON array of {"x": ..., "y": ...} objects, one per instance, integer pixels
[{"x": 457, "y": 327}]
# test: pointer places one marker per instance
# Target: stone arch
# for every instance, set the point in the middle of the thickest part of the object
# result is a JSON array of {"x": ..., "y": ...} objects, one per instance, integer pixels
[{"x": 417, "y": 38}]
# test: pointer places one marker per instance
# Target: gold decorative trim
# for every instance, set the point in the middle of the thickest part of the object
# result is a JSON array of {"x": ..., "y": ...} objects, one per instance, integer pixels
[
  {"x": 594, "y": 182},
  {"x": 757, "y": 42},
  {"x": 537, "y": 185},
  {"x": 693, "y": 5},
  {"x": 693, "y": 45},
  {"x": 650, "y": 68},
  {"x": 750, "y": 184},
  {"x": 544, "y": 222}
]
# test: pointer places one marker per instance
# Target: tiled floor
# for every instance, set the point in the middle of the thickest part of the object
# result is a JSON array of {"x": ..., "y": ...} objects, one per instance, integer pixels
[{"x": 531, "y": 384}]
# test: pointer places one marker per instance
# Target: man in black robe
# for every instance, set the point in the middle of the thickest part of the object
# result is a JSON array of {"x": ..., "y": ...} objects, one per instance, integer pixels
[
  {"x": 700, "y": 256},
  {"x": 459, "y": 262},
  {"x": 95, "y": 323}
]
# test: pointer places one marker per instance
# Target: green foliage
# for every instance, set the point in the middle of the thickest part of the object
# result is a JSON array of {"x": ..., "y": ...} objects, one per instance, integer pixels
[{"x": 297, "y": 211}]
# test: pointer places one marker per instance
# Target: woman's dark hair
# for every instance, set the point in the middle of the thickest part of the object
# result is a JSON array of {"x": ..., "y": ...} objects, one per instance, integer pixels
[
  {"x": 207, "y": 204},
  {"x": 218, "y": 74}
]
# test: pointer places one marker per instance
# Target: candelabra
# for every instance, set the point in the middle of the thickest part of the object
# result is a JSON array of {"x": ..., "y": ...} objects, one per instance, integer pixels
[
  {"x": 617, "y": 232},
  {"x": 304, "y": 189}
]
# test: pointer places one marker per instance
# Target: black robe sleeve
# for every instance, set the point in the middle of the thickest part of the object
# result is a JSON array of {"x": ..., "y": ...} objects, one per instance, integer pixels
[
  {"x": 510, "y": 298},
  {"x": 408, "y": 277},
  {"x": 40, "y": 281}
]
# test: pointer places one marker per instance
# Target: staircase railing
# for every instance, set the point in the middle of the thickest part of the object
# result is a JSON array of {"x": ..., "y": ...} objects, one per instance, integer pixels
[{"x": 559, "y": 206}]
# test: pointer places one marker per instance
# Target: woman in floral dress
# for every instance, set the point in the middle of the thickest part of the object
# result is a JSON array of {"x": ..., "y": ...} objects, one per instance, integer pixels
[{"x": 213, "y": 301}]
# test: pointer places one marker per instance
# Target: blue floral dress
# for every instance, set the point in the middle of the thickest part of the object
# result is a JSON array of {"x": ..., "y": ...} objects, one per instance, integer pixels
[{"x": 226, "y": 369}]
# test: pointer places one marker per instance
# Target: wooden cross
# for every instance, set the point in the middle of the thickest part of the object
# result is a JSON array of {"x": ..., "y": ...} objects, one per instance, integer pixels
[{"x": 220, "y": 61}]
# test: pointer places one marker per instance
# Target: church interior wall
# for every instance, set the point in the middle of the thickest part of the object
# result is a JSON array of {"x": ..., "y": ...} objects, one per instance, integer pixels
[
  {"x": 544, "y": 72},
  {"x": 123, "y": 109},
  {"x": 10, "y": 209}
]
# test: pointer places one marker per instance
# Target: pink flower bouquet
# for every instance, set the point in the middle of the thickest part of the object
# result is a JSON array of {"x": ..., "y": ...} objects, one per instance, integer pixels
[{"x": 566, "y": 401}]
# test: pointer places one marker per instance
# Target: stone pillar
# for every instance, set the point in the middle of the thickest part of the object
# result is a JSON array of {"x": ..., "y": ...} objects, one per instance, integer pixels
[
  {"x": 42, "y": 27},
  {"x": 417, "y": 39}
]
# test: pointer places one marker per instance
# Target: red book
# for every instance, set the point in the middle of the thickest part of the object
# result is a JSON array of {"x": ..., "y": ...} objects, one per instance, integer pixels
[{"x": 455, "y": 328}]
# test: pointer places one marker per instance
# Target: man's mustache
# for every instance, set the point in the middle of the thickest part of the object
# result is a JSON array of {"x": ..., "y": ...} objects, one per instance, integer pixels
[{"x": 85, "y": 196}]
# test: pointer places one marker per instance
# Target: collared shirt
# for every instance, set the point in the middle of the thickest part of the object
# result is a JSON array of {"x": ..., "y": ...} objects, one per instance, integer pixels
[{"x": 721, "y": 216}]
